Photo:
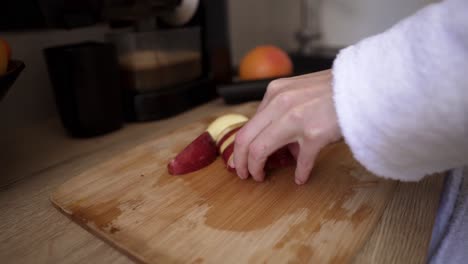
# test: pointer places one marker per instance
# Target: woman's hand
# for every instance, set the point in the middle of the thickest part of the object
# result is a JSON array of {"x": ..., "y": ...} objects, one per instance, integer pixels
[{"x": 298, "y": 112}]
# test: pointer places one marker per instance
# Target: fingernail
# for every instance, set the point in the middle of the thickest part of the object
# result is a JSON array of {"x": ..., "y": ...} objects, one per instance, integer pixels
[
  {"x": 259, "y": 178},
  {"x": 231, "y": 163},
  {"x": 244, "y": 175},
  {"x": 298, "y": 181}
]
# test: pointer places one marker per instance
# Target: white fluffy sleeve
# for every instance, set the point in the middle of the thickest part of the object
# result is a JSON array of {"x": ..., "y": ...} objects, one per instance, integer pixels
[{"x": 402, "y": 96}]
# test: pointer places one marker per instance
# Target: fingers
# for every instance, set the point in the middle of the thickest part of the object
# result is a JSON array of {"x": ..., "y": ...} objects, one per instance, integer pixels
[
  {"x": 247, "y": 134},
  {"x": 273, "y": 88},
  {"x": 297, "y": 112},
  {"x": 305, "y": 161},
  {"x": 273, "y": 137},
  {"x": 278, "y": 107},
  {"x": 287, "y": 130}
]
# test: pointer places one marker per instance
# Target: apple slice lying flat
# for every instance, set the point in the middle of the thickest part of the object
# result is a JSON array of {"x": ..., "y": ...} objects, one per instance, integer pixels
[
  {"x": 198, "y": 154},
  {"x": 279, "y": 159},
  {"x": 203, "y": 150},
  {"x": 219, "y": 139}
]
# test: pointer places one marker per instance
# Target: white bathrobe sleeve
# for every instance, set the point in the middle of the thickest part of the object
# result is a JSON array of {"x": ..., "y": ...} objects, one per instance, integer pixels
[{"x": 402, "y": 96}]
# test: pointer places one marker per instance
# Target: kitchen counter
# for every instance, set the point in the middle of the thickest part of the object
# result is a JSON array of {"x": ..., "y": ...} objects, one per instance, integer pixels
[{"x": 40, "y": 158}]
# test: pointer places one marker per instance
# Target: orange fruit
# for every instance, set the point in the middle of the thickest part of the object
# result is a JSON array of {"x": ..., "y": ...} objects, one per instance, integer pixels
[
  {"x": 7, "y": 46},
  {"x": 265, "y": 62},
  {"x": 3, "y": 58}
]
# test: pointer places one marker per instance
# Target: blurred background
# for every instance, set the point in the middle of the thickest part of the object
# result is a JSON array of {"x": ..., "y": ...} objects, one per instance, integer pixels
[
  {"x": 251, "y": 23},
  {"x": 84, "y": 93}
]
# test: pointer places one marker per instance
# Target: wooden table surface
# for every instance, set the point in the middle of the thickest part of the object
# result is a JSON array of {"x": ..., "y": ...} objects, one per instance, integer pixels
[{"x": 42, "y": 157}]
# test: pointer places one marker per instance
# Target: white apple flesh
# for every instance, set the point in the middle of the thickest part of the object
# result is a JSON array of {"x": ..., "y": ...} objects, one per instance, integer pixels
[
  {"x": 203, "y": 150},
  {"x": 218, "y": 139}
]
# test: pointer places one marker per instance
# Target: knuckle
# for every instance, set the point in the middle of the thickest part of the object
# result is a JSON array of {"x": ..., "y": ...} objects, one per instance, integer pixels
[
  {"x": 311, "y": 134},
  {"x": 296, "y": 114},
  {"x": 256, "y": 152},
  {"x": 283, "y": 99},
  {"x": 240, "y": 139},
  {"x": 275, "y": 85}
]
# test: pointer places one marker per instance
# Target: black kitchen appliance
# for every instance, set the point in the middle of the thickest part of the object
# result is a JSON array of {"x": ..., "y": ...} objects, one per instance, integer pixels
[
  {"x": 174, "y": 55},
  {"x": 85, "y": 80},
  {"x": 177, "y": 35}
]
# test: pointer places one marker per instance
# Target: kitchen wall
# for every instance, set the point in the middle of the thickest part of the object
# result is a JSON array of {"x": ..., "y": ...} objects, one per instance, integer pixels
[
  {"x": 344, "y": 22},
  {"x": 252, "y": 22}
]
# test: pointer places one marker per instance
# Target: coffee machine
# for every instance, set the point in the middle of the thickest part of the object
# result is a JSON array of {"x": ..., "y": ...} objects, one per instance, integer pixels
[{"x": 171, "y": 53}]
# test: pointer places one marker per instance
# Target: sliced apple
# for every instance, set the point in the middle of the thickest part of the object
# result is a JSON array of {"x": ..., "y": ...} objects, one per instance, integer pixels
[
  {"x": 228, "y": 138},
  {"x": 221, "y": 123},
  {"x": 3, "y": 58},
  {"x": 203, "y": 150},
  {"x": 219, "y": 138},
  {"x": 229, "y": 141},
  {"x": 280, "y": 158},
  {"x": 228, "y": 132},
  {"x": 227, "y": 153},
  {"x": 198, "y": 154}
]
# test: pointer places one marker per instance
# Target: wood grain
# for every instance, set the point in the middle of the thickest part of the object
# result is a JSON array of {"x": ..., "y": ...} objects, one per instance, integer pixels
[
  {"x": 43, "y": 158},
  {"x": 394, "y": 242},
  {"x": 33, "y": 231},
  {"x": 213, "y": 216}
]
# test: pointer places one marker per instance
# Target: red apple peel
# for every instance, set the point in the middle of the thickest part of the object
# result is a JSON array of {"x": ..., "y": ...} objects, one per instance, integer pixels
[{"x": 197, "y": 155}]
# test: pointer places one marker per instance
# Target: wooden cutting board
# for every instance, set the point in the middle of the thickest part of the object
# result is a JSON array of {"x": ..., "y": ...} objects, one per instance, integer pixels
[{"x": 211, "y": 216}]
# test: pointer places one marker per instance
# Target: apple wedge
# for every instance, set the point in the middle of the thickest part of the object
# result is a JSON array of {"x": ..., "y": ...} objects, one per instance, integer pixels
[
  {"x": 203, "y": 150},
  {"x": 219, "y": 138},
  {"x": 198, "y": 154},
  {"x": 220, "y": 124},
  {"x": 280, "y": 158},
  {"x": 227, "y": 133}
]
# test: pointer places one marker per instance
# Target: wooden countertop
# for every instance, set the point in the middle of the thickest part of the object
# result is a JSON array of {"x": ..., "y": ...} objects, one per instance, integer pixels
[{"x": 42, "y": 157}]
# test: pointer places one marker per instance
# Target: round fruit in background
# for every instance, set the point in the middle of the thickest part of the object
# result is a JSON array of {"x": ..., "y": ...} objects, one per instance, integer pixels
[
  {"x": 3, "y": 58},
  {"x": 265, "y": 62},
  {"x": 7, "y": 46}
]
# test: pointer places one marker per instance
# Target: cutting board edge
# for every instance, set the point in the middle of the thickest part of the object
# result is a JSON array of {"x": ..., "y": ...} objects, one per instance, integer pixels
[
  {"x": 134, "y": 256},
  {"x": 107, "y": 238},
  {"x": 205, "y": 120},
  {"x": 102, "y": 235},
  {"x": 104, "y": 162}
]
